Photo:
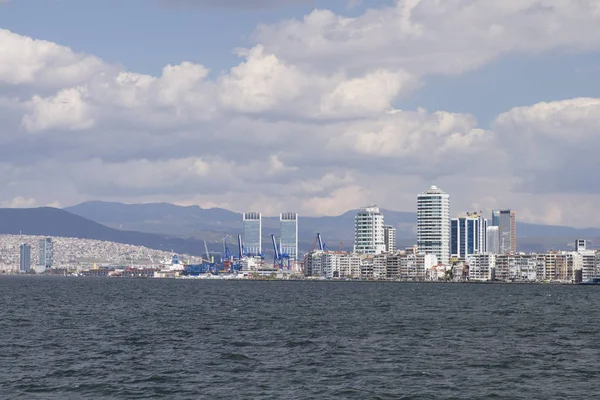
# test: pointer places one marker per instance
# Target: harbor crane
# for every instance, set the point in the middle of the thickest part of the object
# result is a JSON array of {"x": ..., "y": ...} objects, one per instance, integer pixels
[
  {"x": 226, "y": 252},
  {"x": 280, "y": 259},
  {"x": 240, "y": 247}
]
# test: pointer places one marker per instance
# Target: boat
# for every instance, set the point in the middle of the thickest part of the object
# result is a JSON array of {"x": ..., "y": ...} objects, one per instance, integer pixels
[{"x": 593, "y": 281}]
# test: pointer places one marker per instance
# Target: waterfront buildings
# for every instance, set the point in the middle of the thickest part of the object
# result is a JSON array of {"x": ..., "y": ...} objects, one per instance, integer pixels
[
  {"x": 433, "y": 224},
  {"x": 252, "y": 233},
  {"x": 288, "y": 237},
  {"x": 369, "y": 237},
  {"x": 481, "y": 266},
  {"x": 506, "y": 222},
  {"x": 25, "y": 258},
  {"x": 389, "y": 237},
  {"x": 46, "y": 252},
  {"x": 468, "y": 235}
]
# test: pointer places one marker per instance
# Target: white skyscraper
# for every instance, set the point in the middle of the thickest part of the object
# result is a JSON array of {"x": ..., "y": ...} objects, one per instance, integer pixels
[
  {"x": 368, "y": 231},
  {"x": 389, "y": 233},
  {"x": 433, "y": 223}
]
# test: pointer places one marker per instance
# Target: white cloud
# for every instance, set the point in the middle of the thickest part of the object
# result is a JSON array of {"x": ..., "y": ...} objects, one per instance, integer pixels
[
  {"x": 553, "y": 146},
  {"x": 42, "y": 63},
  {"x": 265, "y": 84},
  {"x": 19, "y": 202},
  {"x": 67, "y": 110},
  {"x": 432, "y": 36}
]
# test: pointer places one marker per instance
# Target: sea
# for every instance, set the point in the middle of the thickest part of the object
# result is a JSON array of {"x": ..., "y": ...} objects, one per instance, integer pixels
[{"x": 118, "y": 338}]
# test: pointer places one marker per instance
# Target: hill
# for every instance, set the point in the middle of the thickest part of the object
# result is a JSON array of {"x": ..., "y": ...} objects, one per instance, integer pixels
[{"x": 48, "y": 221}]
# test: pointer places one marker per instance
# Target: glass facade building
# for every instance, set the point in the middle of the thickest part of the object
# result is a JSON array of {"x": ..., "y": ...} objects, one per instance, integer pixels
[
  {"x": 288, "y": 235},
  {"x": 252, "y": 233},
  {"x": 25, "y": 258},
  {"x": 506, "y": 222},
  {"x": 468, "y": 235},
  {"x": 46, "y": 249}
]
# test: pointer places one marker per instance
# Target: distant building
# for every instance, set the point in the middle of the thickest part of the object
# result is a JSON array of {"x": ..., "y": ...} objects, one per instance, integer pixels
[
  {"x": 368, "y": 231},
  {"x": 389, "y": 237},
  {"x": 580, "y": 245},
  {"x": 468, "y": 235},
  {"x": 25, "y": 258},
  {"x": 493, "y": 240},
  {"x": 506, "y": 221},
  {"x": 252, "y": 233},
  {"x": 288, "y": 235},
  {"x": 433, "y": 224},
  {"x": 46, "y": 251}
]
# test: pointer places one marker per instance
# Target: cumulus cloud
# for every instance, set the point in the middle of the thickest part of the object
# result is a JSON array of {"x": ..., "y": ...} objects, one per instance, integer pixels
[
  {"x": 306, "y": 120},
  {"x": 432, "y": 36},
  {"x": 553, "y": 146},
  {"x": 42, "y": 63}
]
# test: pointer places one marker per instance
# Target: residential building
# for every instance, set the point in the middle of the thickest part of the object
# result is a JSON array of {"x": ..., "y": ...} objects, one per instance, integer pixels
[
  {"x": 350, "y": 266},
  {"x": 379, "y": 267},
  {"x": 389, "y": 237},
  {"x": 468, "y": 235},
  {"x": 506, "y": 222},
  {"x": 368, "y": 231},
  {"x": 25, "y": 258},
  {"x": 481, "y": 266},
  {"x": 330, "y": 263},
  {"x": 288, "y": 235},
  {"x": 252, "y": 233},
  {"x": 433, "y": 224},
  {"x": 46, "y": 253}
]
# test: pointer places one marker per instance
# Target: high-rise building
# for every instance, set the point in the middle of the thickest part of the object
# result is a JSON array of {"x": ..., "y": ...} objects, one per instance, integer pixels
[
  {"x": 493, "y": 240},
  {"x": 253, "y": 233},
  {"x": 288, "y": 235},
  {"x": 25, "y": 258},
  {"x": 46, "y": 249},
  {"x": 368, "y": 231},
  {"x": 433, "y": 223},
  {"x": 468, "y": 235},
  {"x": 389, "y": 237},
  {"x": 506, "y": 221}
]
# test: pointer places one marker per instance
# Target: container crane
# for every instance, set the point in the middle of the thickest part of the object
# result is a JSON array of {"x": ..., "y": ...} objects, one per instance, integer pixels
[
  {"x": 226, "y": 252},
  {"x": 277, "y": 258}
]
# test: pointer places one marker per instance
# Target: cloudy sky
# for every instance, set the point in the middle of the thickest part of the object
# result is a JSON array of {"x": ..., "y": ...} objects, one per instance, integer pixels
[{"x": 315, "y": 106}]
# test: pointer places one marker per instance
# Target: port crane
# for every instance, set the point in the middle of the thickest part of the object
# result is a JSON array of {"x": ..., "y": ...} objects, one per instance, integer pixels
[{"x": 280, "y": 259}]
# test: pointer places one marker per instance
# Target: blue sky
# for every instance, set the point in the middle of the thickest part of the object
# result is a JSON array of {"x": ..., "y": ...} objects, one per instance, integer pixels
[{"x": 335, "y": 104}]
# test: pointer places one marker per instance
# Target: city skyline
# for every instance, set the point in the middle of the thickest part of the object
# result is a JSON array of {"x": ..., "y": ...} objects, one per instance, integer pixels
[{"x": 277, "y": 113}]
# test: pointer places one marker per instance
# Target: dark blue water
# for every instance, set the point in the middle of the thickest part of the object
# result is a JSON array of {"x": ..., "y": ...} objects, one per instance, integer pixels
[{"x": 63, "y": 338}]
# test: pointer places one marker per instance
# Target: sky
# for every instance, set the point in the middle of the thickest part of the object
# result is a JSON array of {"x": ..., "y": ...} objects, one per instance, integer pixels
[{"x": 315, "y": 106}]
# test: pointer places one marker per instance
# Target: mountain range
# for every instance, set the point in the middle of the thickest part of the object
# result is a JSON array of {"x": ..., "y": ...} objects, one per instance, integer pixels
[
  {"x": 213, "y": 224},
  {"x": 183, "y": 229}
]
